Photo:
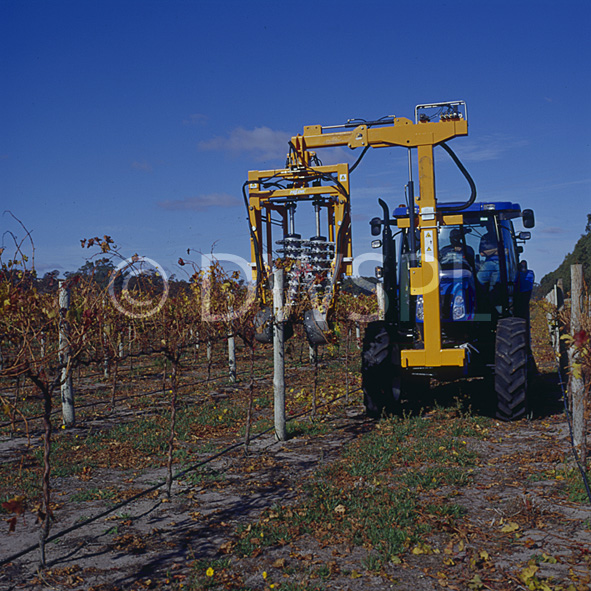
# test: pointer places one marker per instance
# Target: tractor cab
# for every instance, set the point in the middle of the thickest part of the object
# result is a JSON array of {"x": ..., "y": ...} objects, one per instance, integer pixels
[{"x": 480, "y": 274}]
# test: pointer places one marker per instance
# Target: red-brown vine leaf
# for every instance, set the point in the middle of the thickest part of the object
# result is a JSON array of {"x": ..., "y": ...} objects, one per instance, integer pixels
[
  {"x": 11, "y": 524},
  {"x": 581, "y": 338},
  {"x": 15, "y": 505}
]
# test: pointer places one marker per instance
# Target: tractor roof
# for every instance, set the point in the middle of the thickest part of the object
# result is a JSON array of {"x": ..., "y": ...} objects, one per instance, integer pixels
[{"x": 507, "y": 208}]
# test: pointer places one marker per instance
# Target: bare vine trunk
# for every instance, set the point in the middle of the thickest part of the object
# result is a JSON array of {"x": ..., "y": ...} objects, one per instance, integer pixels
[
  {"x": 209, "y": 359},
  {"x": 250, "y": 401},
  {"x": 114, "y": 376},
  {"x": 347, "y": 343},
  {"x": 314, "y": 393},
  {"x": 45, "y": 514},
  {"x": 171, "y": 438}
]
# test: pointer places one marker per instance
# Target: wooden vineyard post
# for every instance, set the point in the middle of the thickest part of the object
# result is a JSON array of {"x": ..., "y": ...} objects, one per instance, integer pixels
[
  {"x": 67, "y": 391},
  {"x": 313, "y": 353},
  {"x": 130, "y": 347},
  {"x": 576, "y": 384},
  {"x": 278, "y": 357},
  {"x": 209, "y": 354},
  {"x": 104, "y": 339},
  {"x": 231, "y": 349},
  {"x": 552, "y": 318},
  {"x": 381, "y": 300},
  {"x": 232, "y": 358}
]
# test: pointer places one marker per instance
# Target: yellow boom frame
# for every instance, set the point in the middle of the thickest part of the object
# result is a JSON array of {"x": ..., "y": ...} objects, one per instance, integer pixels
[
  {"x": 262, "y": 202},
  {"x": 402, "y": 132}
]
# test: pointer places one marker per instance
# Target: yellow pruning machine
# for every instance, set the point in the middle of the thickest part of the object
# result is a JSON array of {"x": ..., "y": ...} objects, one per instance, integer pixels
[
  {"x": 316, "y": 264},
  {"x": 457, "y": 294}
]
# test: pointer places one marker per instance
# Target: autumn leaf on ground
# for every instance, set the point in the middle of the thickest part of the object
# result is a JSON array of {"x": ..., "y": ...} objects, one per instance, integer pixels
[
  {"x": 15, "y": 505},
  {"x": 227, "y": 547},
  {"x": 424, "y": 549},
  {"x": 11, "y": 524},
  {"x": 528, "y": 573},
  {"x": 510, "y": 527}
]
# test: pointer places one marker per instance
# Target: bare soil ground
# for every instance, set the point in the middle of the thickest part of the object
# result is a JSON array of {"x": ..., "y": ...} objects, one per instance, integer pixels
[{"x": 519, "y": 530}]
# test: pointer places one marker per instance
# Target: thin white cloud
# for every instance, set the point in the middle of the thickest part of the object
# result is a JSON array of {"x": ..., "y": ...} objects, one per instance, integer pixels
[
  {"x": 488, "y": 147},
  {"x": 556, "y": 186},
  {"x": 373, "y": 193},
  {"x": 200, "y": 202},
  {"x": 337, "y": 155},
  {"x": 262, "y": 143},
  {"x": 554, "y": 230},
  {"x": 143, "y": 165},
  {"x": 195, "y": 119}
]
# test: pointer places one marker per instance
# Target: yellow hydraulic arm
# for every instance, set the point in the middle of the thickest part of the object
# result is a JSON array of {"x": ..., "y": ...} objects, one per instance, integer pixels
[{"x": 424, "y": 278}]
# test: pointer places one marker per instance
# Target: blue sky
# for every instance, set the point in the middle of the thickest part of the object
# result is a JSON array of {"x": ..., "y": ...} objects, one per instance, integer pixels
[{"x": 141, "y": 119}]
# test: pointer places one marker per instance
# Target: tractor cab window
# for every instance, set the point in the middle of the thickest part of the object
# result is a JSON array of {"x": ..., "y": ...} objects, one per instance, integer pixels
[
  {"x": 510, "y": 253},
  {"x": 489, "y": 272},
  {"x": 455, "y": 252},
  {"x": 473, "y": 246}
]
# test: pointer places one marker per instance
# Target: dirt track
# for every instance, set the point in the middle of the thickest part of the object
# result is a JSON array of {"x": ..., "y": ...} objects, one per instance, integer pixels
[{"x": 517, "y": 517}]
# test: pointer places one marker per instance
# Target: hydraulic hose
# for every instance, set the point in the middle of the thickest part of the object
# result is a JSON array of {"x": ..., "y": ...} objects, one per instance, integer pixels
[
  {"x": 358, "y": 159},
  {"x": 257, "y": 254},
  {"x": 466, "y": 176}
]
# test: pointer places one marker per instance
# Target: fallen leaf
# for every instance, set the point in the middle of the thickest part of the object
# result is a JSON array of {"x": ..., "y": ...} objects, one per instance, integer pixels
[
  {"x": 11, "y": 524},
  {"x": 227, "y": 547},
  {"x": 15, "y": 505},
  {"x": 510, "y": 527},
  {"x": 528, "y": 573}
]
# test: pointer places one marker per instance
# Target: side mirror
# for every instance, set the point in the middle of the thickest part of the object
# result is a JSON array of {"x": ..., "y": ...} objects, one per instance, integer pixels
[
  {"x": 528, "y": 219},
  {"x": 524, "y": 235},
  {"x": 376, "y": 226}
]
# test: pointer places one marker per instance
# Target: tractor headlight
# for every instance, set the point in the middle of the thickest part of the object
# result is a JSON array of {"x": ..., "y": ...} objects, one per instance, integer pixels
[
  {"x": 458, "y": 311},
  {"x": 419, "y": 312}
]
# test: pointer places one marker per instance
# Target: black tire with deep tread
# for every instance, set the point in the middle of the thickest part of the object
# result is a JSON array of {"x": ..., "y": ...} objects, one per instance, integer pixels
[
  {"x": 511, "y": 368},
  {"x": 380, "y": 370}
]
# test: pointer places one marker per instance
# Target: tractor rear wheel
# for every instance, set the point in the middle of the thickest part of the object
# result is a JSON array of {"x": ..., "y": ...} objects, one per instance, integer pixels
[
  {"x": 380, "y": 370},
  {"x": 511, "y": 368}
]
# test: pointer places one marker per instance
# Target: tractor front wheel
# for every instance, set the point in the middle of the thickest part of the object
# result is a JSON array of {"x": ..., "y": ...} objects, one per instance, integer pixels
[
  {"x": 511, "y": 367},
  {"x": 380, "y": 371}
]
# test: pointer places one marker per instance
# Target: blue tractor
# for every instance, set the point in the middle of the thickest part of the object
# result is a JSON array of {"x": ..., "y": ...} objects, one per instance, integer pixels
[
  {"x": 484, "y": 292},
  {"x": 457, "y": 294}
]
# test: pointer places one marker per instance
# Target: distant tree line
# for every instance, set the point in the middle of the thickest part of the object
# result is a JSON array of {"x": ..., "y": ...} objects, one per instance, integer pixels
[
  {"x": 580, "y": 255},
  {"x": 99, "y": 270}
]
